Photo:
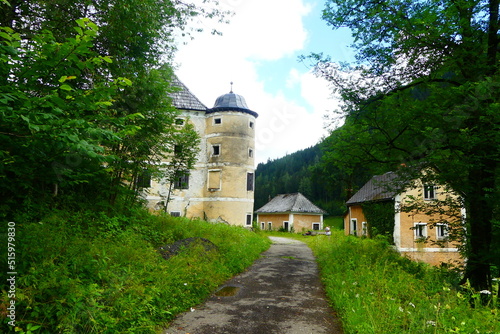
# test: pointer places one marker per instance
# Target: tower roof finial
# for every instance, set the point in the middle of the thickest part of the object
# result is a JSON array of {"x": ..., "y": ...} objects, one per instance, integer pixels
[{"x": 231, "y": 88}]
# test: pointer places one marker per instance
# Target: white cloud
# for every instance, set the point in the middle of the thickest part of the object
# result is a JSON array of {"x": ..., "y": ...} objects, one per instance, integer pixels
[{"x": 260, "y": 31}]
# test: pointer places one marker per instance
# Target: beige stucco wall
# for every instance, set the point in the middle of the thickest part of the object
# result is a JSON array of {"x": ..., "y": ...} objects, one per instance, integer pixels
[
  {"x": 435, "y": 258},
  {"x": 354, "y": 212},
  {"x": 407, "y": 220},
  {"x": 230, "y": 201},
  {"x": 304, "y": 222},
  {"x": 276, "y": 220},
  {"x": 299, "y": 221}
]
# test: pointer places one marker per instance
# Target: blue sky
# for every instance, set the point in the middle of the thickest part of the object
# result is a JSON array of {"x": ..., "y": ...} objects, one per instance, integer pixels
[{"x": 259, "y": 52}]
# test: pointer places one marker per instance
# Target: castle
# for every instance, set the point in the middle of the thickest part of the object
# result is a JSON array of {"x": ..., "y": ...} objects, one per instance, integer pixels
[{"x": 220, "y": 188}]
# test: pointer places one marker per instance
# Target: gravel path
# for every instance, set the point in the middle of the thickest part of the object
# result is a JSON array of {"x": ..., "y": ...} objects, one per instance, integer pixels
[{"x": 280, "y": 293}]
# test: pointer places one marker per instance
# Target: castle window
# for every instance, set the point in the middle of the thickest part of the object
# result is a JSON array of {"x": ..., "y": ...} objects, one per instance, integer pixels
[
  {"x": 250, "y": 182},
  {"x": 181, "y": 181},
  {"x": 144, "y": 179},
  {"x": 250, "y": 125},
  {"x": 217, "y": 121},
  {"x": 250, "y": 153},
  {"x": 215, "y": 150},
  {"x": 249, "y": 220}
]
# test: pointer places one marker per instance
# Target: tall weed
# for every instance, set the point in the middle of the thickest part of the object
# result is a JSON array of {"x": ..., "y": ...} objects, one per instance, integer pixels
[{"x": 375, "y": 290}]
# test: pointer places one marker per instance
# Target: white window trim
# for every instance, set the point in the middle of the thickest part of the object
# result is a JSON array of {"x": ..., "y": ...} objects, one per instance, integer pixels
[
  {"x": 286, "y": 222},
  {"x": 445, "y": 227},
  {"x": 220, "y": 150},
  {"x": 424, "y": 230},
  {"x": 364, "y": 228},
  {"x": 318, "y": 224},
  {"x": 246, "y": 220},
  {"x": 434, "y": 193},
  {"x": 270, "y": 225},
  {"x": 353, "y": 228}
]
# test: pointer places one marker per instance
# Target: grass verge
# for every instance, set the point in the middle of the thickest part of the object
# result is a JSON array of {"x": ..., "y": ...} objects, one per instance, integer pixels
[
  {"x": 375, "y": 290},
  {"x": 89, "y": 273}
]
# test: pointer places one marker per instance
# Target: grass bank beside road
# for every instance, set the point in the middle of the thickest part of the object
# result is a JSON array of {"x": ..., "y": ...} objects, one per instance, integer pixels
[
  {"x": 375, "y": 290},
  {"x": 86, "y": 272}
]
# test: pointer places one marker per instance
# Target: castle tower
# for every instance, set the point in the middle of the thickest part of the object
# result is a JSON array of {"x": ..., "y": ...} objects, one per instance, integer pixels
[
  {"x": 230, "y": 138},
  {"x": 220, "y": 188}
]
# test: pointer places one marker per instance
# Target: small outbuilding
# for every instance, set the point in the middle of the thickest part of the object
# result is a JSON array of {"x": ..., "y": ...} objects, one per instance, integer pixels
[{"x": 290, "y": 212}]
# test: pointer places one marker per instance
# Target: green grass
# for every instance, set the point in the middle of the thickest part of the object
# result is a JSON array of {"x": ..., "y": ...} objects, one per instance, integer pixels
[
  {"x": 335, "y": 222},
  {"x": 89, "y": 273},
  {"x": 375, "y": 290}
]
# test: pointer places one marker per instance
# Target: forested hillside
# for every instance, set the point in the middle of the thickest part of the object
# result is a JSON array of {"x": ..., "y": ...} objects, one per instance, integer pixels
[{"x": 325, "y": 185}]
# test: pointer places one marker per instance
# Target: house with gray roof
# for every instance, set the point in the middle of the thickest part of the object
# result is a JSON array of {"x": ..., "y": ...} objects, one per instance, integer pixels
[
  {"x": 382, "y": 206},
  {"x": 290, "y": 212}
]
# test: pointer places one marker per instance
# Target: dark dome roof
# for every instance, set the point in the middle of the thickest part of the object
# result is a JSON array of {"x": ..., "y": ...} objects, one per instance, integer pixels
[{"x": 231, "y": 102}]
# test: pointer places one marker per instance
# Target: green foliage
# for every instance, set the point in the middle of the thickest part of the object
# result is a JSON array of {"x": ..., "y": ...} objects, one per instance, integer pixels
[
  {"x": 303, "y": 171},
  {"x": 375, "y": 290},
  {"x": 424, "y": 93},
  {"x": 92, "y": 273},
  {"x": 380, "y": 218}
]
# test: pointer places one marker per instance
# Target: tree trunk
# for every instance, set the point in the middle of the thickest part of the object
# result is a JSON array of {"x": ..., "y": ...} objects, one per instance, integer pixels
[{"x": 480, "y": 220}]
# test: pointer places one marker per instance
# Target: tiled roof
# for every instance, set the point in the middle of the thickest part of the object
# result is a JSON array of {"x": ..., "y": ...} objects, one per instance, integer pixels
[
  {"x": 290, "y": 203},
  {"x": 184, "y": 99},
  {"x": 379, "y": 188},
  {"x": 232, "y": 102}
]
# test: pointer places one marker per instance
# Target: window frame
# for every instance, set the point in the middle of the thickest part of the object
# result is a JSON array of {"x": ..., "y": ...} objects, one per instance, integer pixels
[
  {"x": 182, "y": 181},
  {"x": 218, "y": 148},
  {"x": 440, "y": 227},
  {"x": 420, "y": 230},
  {"x": 353, "y": 228},
  {"x": 250, "y": 181},
  {"x": 429, "y": 192}
]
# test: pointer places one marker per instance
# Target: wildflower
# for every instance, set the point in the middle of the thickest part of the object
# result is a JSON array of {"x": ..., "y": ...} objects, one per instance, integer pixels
[
  {"x": 192, "y": 309},
  {"x": 411, "y": 304},
  {"x": 401, "y": 309},
  {"x": 185, "y": 284},
  {"x": 431, "y": 323},
  {"x": 357, "y": 295},
  {"x": 485, "y": 292}
]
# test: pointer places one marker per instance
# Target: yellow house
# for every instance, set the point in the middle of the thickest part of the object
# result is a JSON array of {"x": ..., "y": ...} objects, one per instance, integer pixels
[
  {"x": 220, "y": 188},
  {"x": 416, "y": 234},
  {"x": 290, "y": 212}
]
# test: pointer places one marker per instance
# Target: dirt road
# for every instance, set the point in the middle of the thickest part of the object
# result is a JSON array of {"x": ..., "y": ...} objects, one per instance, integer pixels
[{"x": 280, "y": 293}]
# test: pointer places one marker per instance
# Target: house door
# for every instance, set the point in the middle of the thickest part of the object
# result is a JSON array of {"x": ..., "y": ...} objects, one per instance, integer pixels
[{"x": 286, "y": 226}]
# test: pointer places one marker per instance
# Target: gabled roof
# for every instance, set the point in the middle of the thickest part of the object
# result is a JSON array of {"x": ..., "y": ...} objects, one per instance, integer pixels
[
  {"x": 183, "y": 99},
  {"x": 379, "y": 188},
  {"x": 290, "y": 203}
]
